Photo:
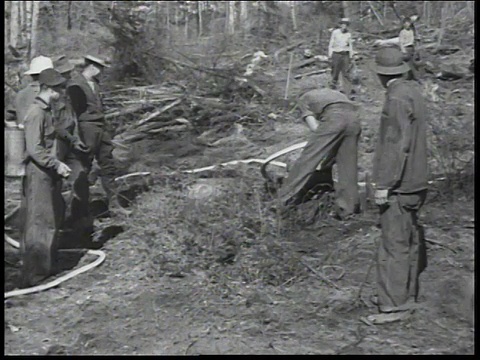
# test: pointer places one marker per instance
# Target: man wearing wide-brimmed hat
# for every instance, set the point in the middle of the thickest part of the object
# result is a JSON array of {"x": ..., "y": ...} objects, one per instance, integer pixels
[
  {"x": 70, "y": 150},
  {"x": 85, "y": 96},
  {"x": 26, "y": 96},
  {"x": 340, "y": 52},
  {"x": 400, "y": 179},
  {"x": 42, "y": 184}
]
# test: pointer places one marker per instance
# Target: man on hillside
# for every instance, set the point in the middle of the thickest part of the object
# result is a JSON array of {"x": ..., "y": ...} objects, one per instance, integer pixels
[
  {"x": 42, "y": 184},
  {"x": 71, "y": 150},
  {"x": 400, "y": 178},
  {"x": 86, "y": 101},
  {"x": 340, "y": 51},
  {"x": 335, "y": 127}
]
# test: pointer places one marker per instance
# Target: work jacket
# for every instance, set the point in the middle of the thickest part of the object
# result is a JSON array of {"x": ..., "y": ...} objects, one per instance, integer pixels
[
  {"x": 314, "y": 102},
  {"x": 400, "y": 161},
  {"x": 86, "y": 102},
  {"x": 24, "y": 98},
  {"x": 40, "y": 136}
]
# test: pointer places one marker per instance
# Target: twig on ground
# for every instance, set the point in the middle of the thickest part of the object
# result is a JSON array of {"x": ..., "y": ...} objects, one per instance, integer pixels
[
  {"x": 320, "y": 275},
  {"x": 441, "y": 245}
]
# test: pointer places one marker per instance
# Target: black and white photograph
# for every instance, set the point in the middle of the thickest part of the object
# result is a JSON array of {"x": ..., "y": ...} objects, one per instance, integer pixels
[{"x": 239, "y": 178}]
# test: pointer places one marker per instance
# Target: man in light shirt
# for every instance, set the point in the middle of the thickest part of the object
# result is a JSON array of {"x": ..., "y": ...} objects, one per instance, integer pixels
[
  {"x": 406, "y": 40},
  {"x": 340, "y": 51}
]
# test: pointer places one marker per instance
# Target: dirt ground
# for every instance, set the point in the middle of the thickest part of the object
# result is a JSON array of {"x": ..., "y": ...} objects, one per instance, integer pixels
[{"x": 225, "y": 275}]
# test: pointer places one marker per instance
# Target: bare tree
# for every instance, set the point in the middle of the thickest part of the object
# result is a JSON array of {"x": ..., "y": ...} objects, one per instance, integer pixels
[
  {"x": 199, "y": 18},
  {"x": 14, "y": 23},
  {"x": 230, "y": 17},
  {"x": 34, "y": 28}
]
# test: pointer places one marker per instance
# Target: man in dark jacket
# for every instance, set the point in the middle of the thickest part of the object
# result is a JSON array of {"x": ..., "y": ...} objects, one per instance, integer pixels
[
  {"x": 332, "y": 118},
  {"x": 400, "y": 177},
  {"x": 70, "y": 149},
  {"x": 86, "y": 100},
  {"x": 42, "y": 184}
]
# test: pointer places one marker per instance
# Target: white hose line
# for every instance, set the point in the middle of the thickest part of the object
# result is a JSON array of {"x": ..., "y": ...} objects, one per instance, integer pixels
[{"x": 100, "y": 254}]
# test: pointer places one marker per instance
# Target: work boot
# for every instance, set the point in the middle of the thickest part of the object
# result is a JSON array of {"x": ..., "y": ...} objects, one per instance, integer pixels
[{"x": 115, "y": 208}]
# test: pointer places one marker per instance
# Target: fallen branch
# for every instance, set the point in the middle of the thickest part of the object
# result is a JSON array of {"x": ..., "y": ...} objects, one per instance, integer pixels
[
  {"x": 316, "y": 72},
  {"x": 126, "y": 111},
  {"x": 320, "y": 275},
  {"x": 287, "y": 48},
  {"x": 156, "y": 113},
  {"x": 441, "y": 245}
]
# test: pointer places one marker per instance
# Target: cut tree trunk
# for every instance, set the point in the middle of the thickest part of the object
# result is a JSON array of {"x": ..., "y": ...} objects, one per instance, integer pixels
[{"x": 34, "y": 31}]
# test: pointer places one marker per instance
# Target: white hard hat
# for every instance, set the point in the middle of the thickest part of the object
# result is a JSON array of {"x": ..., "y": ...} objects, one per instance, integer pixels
[{"x": 38, "y": 64}]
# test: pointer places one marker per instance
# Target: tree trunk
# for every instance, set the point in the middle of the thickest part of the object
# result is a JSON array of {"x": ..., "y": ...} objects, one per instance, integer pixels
[
  {"x": 69, "y": 14},
  {"x": 294, "y": 15},
  {"x": 244, "y": 16},
  {"x": 230, "y": 17},
  {"x": 34, "y": 31},
  {"x": 346, "y": 9},
  {"x": 14, "y": 23},
  {"x": 23, "y": 21},
  {"x": 199, "y": 18},
  {"x": 186, "y": 26},
  {"x": 6, "y": 24}
]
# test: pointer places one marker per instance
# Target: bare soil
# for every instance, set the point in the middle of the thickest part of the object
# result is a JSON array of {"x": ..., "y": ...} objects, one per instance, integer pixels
[{"x": 226, "y": 275}]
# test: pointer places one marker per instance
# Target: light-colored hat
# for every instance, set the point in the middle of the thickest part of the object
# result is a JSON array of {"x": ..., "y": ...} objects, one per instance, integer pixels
[
  {"x": 95, "y": 60},
  {"x": 38, "y": 64},
  {"x": 344, "y": 21},
  {"x": 389, "y": 61}
]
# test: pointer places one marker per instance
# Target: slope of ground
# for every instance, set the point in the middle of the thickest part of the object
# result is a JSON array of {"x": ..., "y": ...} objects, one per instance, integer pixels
[{"x": 225, "y": 275}]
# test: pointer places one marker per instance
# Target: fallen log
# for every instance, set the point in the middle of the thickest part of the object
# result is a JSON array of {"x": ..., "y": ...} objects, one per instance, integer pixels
[
  {"x": 156, "y": 113},
  {"x": 126, "y": 111},
  {"x": 287, "y": 48},
  {"x": 316, "y": 72}
]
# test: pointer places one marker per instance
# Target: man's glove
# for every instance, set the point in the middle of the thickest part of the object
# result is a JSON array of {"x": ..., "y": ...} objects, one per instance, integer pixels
[
  {"x": 381, "y": 197},
  {"x": 81, "y": 147}
]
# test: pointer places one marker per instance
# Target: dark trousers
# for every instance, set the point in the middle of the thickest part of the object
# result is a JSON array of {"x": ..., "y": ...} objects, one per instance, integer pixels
[
  {"x": 43, "y": 215},
  {"x": 402, "y": 253},
  {"x": 341, "y": 65},
  {"x": 100, "y": 144},
  {"x": 409, "y": 58},
  {"x": 335, "y": 141}
]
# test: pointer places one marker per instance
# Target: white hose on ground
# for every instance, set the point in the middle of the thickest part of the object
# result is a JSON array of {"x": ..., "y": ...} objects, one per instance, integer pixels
[{"x": 101, "y": 254}]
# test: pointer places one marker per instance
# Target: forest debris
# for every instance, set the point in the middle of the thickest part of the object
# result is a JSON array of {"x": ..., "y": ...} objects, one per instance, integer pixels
[
  {"x": 316, "y": 72},
  {"x": 287, "y": 48},
  {"x": 126, "y": 111},
  {"x": 156, "y": 113}
]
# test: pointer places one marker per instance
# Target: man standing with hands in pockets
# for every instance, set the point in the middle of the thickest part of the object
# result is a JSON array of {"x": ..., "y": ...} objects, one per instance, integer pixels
[
  {"x": 400, "y": 177},
  {"x": 340, "y": 52},
  {"x": 42, "y": 183}
]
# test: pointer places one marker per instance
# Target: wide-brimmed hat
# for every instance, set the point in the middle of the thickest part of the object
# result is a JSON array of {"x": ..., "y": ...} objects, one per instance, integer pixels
[
  {"x": 51, "y": 78},
  {"x": 38, "y": 64},
  {"x": 92, "y": 59},
  {"x": 389, "y": 61},
  {"x": 62, "y": 65},
  {"x": 345, "y": 21}
]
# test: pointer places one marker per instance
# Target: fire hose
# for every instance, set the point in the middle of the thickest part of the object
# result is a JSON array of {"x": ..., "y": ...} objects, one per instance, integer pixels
[{"x": 100, "y": 254}]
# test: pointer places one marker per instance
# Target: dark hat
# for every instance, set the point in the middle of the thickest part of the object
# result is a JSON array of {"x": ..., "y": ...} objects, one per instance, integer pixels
[
  {"x": 95, "y": 60},
  {"x": 62, "y": 65},
  {"x": 389, "y": 61},
  {"x": 51, "y": 78}
]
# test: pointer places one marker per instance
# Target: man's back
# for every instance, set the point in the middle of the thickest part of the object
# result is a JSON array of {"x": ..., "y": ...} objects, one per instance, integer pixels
[
  {"x": 402, "y": 132},
  {"x": 24, "y": 98}
]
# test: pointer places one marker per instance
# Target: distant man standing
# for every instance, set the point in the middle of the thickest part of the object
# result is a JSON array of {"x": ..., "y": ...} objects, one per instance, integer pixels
[
  {"x": 25, "y": 97},
  {"x": 42, "y": 184},
  {"x": 71, "y": 150},
  {"x": 400, "y": 177},
  {"x": 86, "y": 100},
  {"x": 335, "y": 127},
  {"x": 406, "y": 40},
  {"x": 340, "y": 51}
]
